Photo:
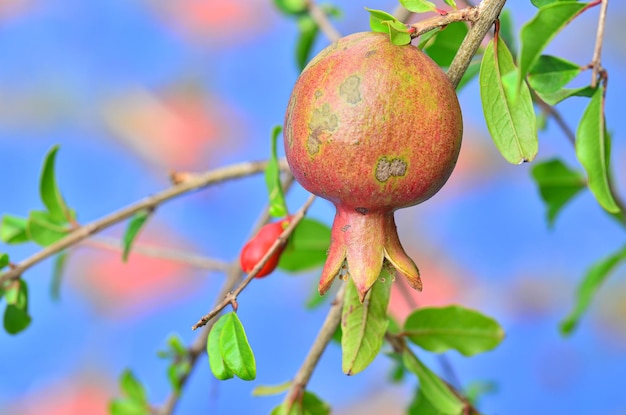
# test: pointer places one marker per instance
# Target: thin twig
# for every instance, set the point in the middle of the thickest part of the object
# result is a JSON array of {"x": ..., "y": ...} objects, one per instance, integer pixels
[
  {"x": 215, "y": 176},
  {"x": 231, "y": 297},
  {"x": 184, "y": 257},
  {"x": 401, "y": 13},
  {"x": 488, "y": 11},
  {"x": 596, "y": 62},
  {"x": 325, "y": 335},
  {"x": 322, "y": 21},
  {"x": 469, "y": 14}
]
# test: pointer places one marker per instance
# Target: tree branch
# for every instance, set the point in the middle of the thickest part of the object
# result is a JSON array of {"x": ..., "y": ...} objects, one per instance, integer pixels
[
  {"x": 469, "y": 14},
  {"x": 488, "y": 11},
  {"x": 231, "y": 296},
  {"x": 596, "y": 62},
  {"x": 215, "y": 176},
  {"x": 325, "y": 335},
  {"x": 322, "y": 21}
]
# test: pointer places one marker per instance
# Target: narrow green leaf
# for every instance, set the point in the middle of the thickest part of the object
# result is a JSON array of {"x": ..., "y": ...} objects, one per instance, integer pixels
[
  {"x": 307, "y": 33},
  {"x": 45, "y": 230},
  {"x": 510, "y": 116},
  {"x": 364, "y": 324},
  {"x": 307, "y": 247},
  {"x": 418, "y": 6},
  {"x": 421, "y": 405},
  {"x": 446, "y": 43},
  {"x": 309, "y": 405},
  {"x": 132, "y": 388},
  {"x": 450, "y": 3},
  {"x": 128, "y": 407},
  {"x": 49, "y": 191},
  {"x": 13, "y": 229},
  {"x": 588, "y": 288},
  {"x": 235, "y": 349},
  {"x": 558, "y": 184},
  {"x": 441, "y": 329},
  {"x": 593, "y": 151},
  {"x": 549, "y": 74},
  {"x": 554, "y": 98},
  {"x": 216, "y": 361},
  {"x": 291, "y": 7},
  {"x": 427, "y": 38},
  {"x": 176, "y": 371},
  {"x": 278, "y": 206},
  {"x": 57, "y": 275},
  {"x": 4, "y": 260},
  {"x": 132, "y": 230},
  {"x": 507, "y": 31},
  {"x": 537, "y": 33},
  {"x": 269, "y": 390},
  {"x": 432, "y": 387},
  {"x": 541, "y": 3}
]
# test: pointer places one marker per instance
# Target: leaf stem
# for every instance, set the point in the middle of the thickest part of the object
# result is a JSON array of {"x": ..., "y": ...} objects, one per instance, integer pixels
[{"x": 596, "y": 62}]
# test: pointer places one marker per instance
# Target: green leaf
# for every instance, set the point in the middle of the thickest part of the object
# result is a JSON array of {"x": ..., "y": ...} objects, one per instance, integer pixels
[
  {"x": 441, "y": 329},
  {"x": 421, "y": 405},
  {"x": 269, "y": 390},
  {"x": 307, "y": 247},
  {"x": 278, "y": 206},
  {"x": 450, "y": 3},
  {"x": 427, "y": 38},
  {"x": 309, "y": 405},
  {"x": 4, "y": 260},
  {"x": 15, "y": 319},
  {"x": 216, "y": 361},
  {"x": 554, "y": 98},
  {"x": 57, "y": 275},
  {"x": 593, "y": 151},
  {"x": 364, "y": 324},
  {"x": 13, "y": 229},
  {"x": 541, "y": 3},
  {"x": 418, "y": 6},
  {"x": 384, "y": 22},
  {"x": 291, "y": 7},
  {"x": 177, "y": 345},
  {"x": 132, "y": 388},
  {"x": 446, "y": 43},
  {"x": 235, "y": 349},
  {"x": 510, "y": 116},
  {"x": 470, "y": 73},
  {"x": 132, "y": 230},
  {"x": 549, "y": 74},
  {"x": 432, "y": 387},
  {"x": 307, "y": 33},
  {"x": 45, "y": 230},
  {"x": 49, "y": 191},
  {"x": 128, "y": 407},
  {"x": 477, "y": 389},
  {"x": 176, "y": 371},
  {"x": 588, "y": 287},
  {"x": 537, "y": 33},
  {"x": 558, "y": 184}
]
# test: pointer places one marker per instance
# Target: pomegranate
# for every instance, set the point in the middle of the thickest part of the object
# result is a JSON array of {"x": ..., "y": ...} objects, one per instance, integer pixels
[{"x": 372, "y": 127}]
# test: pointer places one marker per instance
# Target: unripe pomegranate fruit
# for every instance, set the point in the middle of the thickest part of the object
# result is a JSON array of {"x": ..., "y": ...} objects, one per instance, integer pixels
[
  {"x": 372, "y": 127},
  {"x": 257, "y": 247}
]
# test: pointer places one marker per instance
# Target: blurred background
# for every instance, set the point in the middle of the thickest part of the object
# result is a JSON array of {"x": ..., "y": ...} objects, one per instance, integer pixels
[{"x": 132, "y": 90}]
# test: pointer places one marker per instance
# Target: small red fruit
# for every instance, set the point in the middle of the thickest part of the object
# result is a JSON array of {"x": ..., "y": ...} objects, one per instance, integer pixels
[{"x": 257, "y": 247}]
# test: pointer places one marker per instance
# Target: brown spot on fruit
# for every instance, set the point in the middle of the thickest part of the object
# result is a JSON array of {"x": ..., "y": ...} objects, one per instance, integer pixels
[
  {"x": 318, "y": 93},
  {"x": 386, "y": 168},
  {"x": 322, "y": 120},
  {"x": 362, "y": 210},
  {"x": 349, "y": 89},
  {"x": 370, "y": 53}
]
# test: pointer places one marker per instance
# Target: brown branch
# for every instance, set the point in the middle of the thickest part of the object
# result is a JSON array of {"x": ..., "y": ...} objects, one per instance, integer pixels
[
  {"x": 325, "y": 335},
  {"x": 194, "y": 260},
  {"x": 215, "y": 176},
  {"x": 596, "y": 63},
  {"x": 469, "y": 14},
  {"x": 321, "y": 19},
  {"x": 231, "y": 296},
  {"x": 488, "y": 12}
]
